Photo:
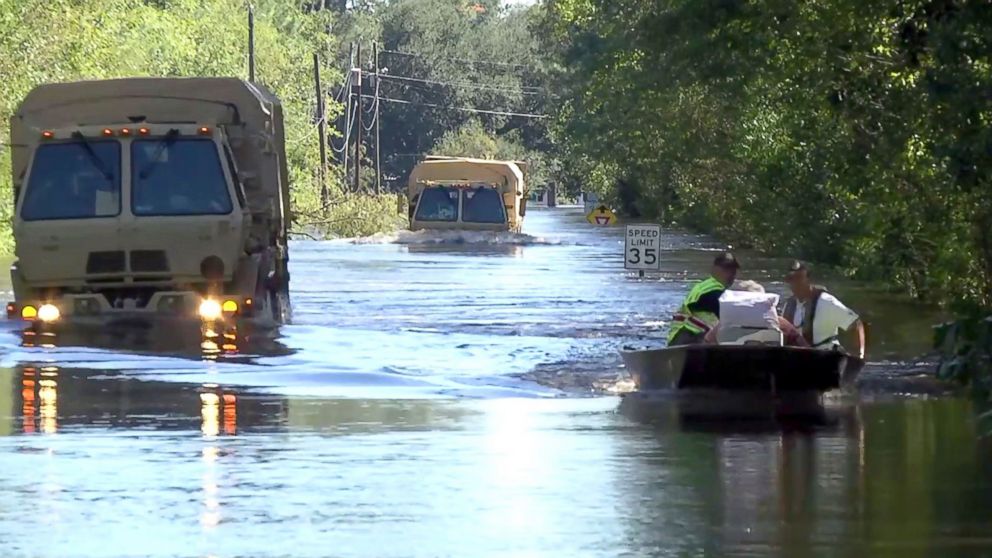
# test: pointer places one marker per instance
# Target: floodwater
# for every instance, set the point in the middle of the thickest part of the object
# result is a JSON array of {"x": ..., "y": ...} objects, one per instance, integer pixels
[{"x": 453, "y": 395}]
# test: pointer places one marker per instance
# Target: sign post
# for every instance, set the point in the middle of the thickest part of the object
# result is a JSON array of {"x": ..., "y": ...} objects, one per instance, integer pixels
[{"x": 642, "y": 248}]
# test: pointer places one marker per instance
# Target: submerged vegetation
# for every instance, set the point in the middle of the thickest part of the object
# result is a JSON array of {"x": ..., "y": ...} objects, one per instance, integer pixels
[{"x": 965, "y": 349}]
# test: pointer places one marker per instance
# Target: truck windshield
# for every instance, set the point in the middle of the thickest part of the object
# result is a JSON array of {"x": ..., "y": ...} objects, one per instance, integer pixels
[
  {"x": 75, "y": 180},
  {"x": 482, "y": 205},
  {"x": 178, "y": 177},
  {"x": 438, "y": 204}
]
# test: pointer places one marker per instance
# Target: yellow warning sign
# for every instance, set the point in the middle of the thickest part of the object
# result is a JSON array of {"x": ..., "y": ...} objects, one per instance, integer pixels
[{"x": 602, "y": 216}]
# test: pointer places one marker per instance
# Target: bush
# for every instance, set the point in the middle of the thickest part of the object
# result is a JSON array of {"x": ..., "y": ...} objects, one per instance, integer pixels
[
  {"x": 847, "y": 132},
  {"x": 965, "y": 348},
  {"x": 346, "y": 214}
]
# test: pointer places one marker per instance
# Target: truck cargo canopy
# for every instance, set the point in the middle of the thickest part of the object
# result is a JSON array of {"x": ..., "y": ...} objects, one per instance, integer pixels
[
  {"x": 248, "y": 112},
  {"x": 455, "y": 169}
]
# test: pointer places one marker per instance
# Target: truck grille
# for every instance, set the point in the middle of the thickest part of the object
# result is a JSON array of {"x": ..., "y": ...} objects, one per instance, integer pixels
[
  {"x": 149, "y": 261},
  {"x": 105, "y": 262}
]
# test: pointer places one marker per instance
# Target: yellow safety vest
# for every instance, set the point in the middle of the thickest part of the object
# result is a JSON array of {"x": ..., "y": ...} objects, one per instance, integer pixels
[{"x": 695, "y": 322}]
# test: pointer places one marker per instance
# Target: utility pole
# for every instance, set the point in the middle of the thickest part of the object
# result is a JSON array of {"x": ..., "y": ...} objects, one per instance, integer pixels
[
  {"x": 358, "y": 129},
  {"x": 347, "y": 112},
  {"x": 251, "y": 43},
  {"x": 321, "y": 132},
  {"x": 378, "y": 168}
]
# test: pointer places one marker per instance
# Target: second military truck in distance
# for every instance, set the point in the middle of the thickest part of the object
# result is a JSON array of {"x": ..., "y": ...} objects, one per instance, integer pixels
[
  {"x": 147, "y": 198},
  {"x": 467, "y": 194}
]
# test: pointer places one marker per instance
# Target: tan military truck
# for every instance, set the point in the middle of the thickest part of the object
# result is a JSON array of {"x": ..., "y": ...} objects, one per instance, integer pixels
[
  {"x": 150, "y": 198},
  {"x": 467, "y": 194}
]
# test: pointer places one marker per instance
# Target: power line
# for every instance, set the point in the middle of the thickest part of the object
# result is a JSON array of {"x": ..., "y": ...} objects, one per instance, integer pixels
[
  {"x": 523, "y": 90},
  {"x": 340, "y": 95},
  {"x": 374, "y": 107},
  {"x": 347, "y": 84},
  {"x": 371, "y": 124},
  {"x": 467, "y": 60},
  {"x": 343, "y": 147},
  {"x": 465, "y": 109},
  {"x": 337, "y": 99}
]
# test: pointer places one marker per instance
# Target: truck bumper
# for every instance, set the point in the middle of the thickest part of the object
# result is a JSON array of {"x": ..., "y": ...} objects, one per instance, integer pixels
[{"x": 179, "y": 308}]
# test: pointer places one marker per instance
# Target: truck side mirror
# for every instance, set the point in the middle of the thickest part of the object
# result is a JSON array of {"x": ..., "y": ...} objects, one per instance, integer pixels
[{"x": 523, "y": 206}]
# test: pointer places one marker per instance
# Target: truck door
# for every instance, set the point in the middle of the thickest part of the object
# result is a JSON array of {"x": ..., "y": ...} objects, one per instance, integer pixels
[
  {"x": 67, "y": 224},
  {"x": 183, "y": 209}
]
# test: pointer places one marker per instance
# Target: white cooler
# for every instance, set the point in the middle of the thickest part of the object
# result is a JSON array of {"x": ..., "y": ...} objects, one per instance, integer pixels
[{"x": 749, "y": 318}]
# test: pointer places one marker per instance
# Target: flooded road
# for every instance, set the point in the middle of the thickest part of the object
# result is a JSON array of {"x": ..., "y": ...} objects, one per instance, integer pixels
[
  {"x": 423, "y": 403},
  {"x": 461, "y": 314}
]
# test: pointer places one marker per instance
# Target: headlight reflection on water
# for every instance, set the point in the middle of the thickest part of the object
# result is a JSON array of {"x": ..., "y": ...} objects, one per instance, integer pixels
[
  {"x": 209, "y": 414},
  {"x": 217, "y": 410},
  {"x": 28, "y": 408},
  {"x": 214, "y": 408},
  {"x": 210, "y": 517},
  {"x": 213, "y": 344},
  {"x": 39, "y": 400}
]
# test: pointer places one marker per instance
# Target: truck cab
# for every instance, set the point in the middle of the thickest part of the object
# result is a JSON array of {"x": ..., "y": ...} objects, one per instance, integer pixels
[
  {"x": 467, "y": 194},
  {"x": 150, "y": 198}
]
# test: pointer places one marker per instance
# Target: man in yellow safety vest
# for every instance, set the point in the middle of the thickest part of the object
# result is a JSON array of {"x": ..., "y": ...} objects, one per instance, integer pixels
[{"x": 701, "y": 309}]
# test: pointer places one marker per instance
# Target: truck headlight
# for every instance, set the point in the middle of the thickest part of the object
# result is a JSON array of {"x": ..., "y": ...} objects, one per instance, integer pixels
[
  {"x": 48, "y": 313},
  {"x": 210, "y": 310}
]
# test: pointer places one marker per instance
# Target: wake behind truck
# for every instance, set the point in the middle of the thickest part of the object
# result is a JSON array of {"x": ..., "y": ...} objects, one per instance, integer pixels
[{"x": 149, "y": 198}]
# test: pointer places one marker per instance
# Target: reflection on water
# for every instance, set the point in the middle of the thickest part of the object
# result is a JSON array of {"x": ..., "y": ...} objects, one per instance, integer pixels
[
  {"x": 28, "y": 409},
  {"x": 114, "y": 449},
  {"x": 189, "y": 339},
  {"x": 690, "y": 413},
  {"x": 210, "y": 516},
  {"x": 210, "y": 414},
  {"x": 213, "y": 407},
  {"x": 868, "y": 483},
  {"x": 48, "y": 397},
  {"x": 39, "y": 400},
  {"x": 511, "y": 250},
  {"x": 214, "y": 470}
]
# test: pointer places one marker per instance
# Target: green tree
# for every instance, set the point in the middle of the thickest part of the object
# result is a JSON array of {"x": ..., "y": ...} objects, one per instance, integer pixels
[
  {"x": 473, "y": 140},
  {"x": 442, "y": 58},
  {"x": 847, "y": 132},
  {"x": 44, "y": 41}
]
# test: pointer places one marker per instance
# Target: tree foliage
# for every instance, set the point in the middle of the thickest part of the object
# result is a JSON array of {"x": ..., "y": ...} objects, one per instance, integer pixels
[
  {"x": 473, "y": 140},
  {"x": 853, "y": 133},
  {"x": 441, "y": 57},
  {"x": 44, "y": 41}
]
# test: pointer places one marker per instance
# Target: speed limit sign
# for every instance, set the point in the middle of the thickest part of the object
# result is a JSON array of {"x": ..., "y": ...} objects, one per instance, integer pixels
[{"x": 642, "y": 247}]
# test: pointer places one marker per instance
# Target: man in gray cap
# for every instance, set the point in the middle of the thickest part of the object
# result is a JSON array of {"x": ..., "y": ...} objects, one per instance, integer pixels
[{"x": 818, "y": 314}]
